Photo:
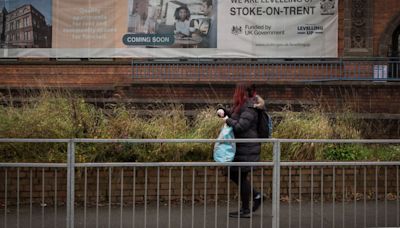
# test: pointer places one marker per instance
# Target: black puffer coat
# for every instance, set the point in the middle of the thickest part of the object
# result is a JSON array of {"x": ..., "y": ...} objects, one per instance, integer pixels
[{"x": 244, "y": 125}]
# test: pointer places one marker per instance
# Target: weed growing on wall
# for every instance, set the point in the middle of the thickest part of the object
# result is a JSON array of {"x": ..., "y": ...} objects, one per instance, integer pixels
[{"x": 63, "y": 115}]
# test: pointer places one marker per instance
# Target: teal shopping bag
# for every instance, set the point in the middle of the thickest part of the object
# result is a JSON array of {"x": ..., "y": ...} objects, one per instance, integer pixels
[{"x": 225, "y": 151}]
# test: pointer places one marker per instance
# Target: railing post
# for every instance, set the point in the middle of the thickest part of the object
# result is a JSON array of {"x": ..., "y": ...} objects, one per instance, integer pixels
[
  {"x": 70, "y": 183},
  {"x": 276, "y": 185}
]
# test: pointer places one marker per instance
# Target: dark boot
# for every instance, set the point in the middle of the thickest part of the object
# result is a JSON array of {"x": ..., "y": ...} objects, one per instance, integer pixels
[
  {"x": 257, "y": 201},
  {"x": 243, "y": 213}
]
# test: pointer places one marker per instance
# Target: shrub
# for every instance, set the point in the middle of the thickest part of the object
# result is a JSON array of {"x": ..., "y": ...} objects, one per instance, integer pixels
[
  {"x": 63, "y": 115},
  {"x": 343, "y": 152},
  {"x": 45, "y": 118},
  {"x": 311, "y": 124}
]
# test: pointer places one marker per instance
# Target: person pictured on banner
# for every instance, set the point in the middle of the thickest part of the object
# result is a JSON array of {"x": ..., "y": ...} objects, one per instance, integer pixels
[
  {"x": 243, "y": 118},
  {"x": 137, "y": 18},
  {"x": 182, "y": 24},
  {"x": 151, "y": 21},
  {"x": 209, "y": 10}
]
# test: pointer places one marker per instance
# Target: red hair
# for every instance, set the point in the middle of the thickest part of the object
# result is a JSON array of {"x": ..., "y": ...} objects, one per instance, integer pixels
[
  {"x": 240, "y": 96},
  {"x": 242, "y": 93}
]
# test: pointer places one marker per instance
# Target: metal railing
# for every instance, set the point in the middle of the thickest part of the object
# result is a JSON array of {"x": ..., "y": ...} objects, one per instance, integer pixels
[
  {"x": 172, "y": 188},
  {"x": 336, "y": 69}
]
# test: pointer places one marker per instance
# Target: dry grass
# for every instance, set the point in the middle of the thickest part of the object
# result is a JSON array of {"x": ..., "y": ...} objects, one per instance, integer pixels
[{"x": 63, "y": 115}]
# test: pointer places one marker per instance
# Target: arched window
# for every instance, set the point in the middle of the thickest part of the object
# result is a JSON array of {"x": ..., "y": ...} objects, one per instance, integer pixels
[{"x": 396, "y": 42}]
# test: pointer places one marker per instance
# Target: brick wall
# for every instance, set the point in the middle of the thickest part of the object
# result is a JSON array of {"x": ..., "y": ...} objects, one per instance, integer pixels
[
  {"x": 102, "y": 83},
  {"x": 55, "y": 75},
  {"x": 354, "y": 184},
  {"x": 118, "y": 82},
  {"x": 363, "y": 98},
  {"x": 384, "y": 11}
]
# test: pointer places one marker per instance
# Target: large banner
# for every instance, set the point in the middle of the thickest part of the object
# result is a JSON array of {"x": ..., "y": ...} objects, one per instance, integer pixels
[{"x": 169, "y": 28}]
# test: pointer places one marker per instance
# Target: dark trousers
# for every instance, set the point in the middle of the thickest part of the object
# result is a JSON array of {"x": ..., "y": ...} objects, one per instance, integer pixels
[{"x": 244, "y": 185}]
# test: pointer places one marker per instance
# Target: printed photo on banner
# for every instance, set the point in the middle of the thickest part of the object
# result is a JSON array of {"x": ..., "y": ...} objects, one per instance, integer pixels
[
  {"x": 25, "y": 24},
  {"x": 172, "y": 24}
]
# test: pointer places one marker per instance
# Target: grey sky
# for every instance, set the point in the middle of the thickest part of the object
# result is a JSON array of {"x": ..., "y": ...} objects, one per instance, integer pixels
[{"x": 44, "y": 6}]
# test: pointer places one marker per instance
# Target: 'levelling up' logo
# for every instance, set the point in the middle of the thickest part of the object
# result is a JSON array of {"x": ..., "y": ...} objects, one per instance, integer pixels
[{"x": 310, "y": 29}]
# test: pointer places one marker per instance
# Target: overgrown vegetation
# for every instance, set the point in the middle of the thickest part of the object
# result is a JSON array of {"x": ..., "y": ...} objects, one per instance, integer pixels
[{"x": 62, "y": 115}]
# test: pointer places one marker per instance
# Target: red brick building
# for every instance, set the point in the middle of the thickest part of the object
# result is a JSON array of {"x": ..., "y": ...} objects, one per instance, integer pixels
[
  {"x": 368, "y": 36},
  {"x": 369, "y": 28},
  {"x": 26, "y": 28}
]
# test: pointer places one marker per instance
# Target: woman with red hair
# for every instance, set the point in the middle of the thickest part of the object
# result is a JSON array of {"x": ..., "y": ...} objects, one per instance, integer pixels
[{"x": 243, "y": 118}]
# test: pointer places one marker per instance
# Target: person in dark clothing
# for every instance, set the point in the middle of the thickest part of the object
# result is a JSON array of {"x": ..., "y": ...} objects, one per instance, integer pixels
[{"x": 243, "y": 118}]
